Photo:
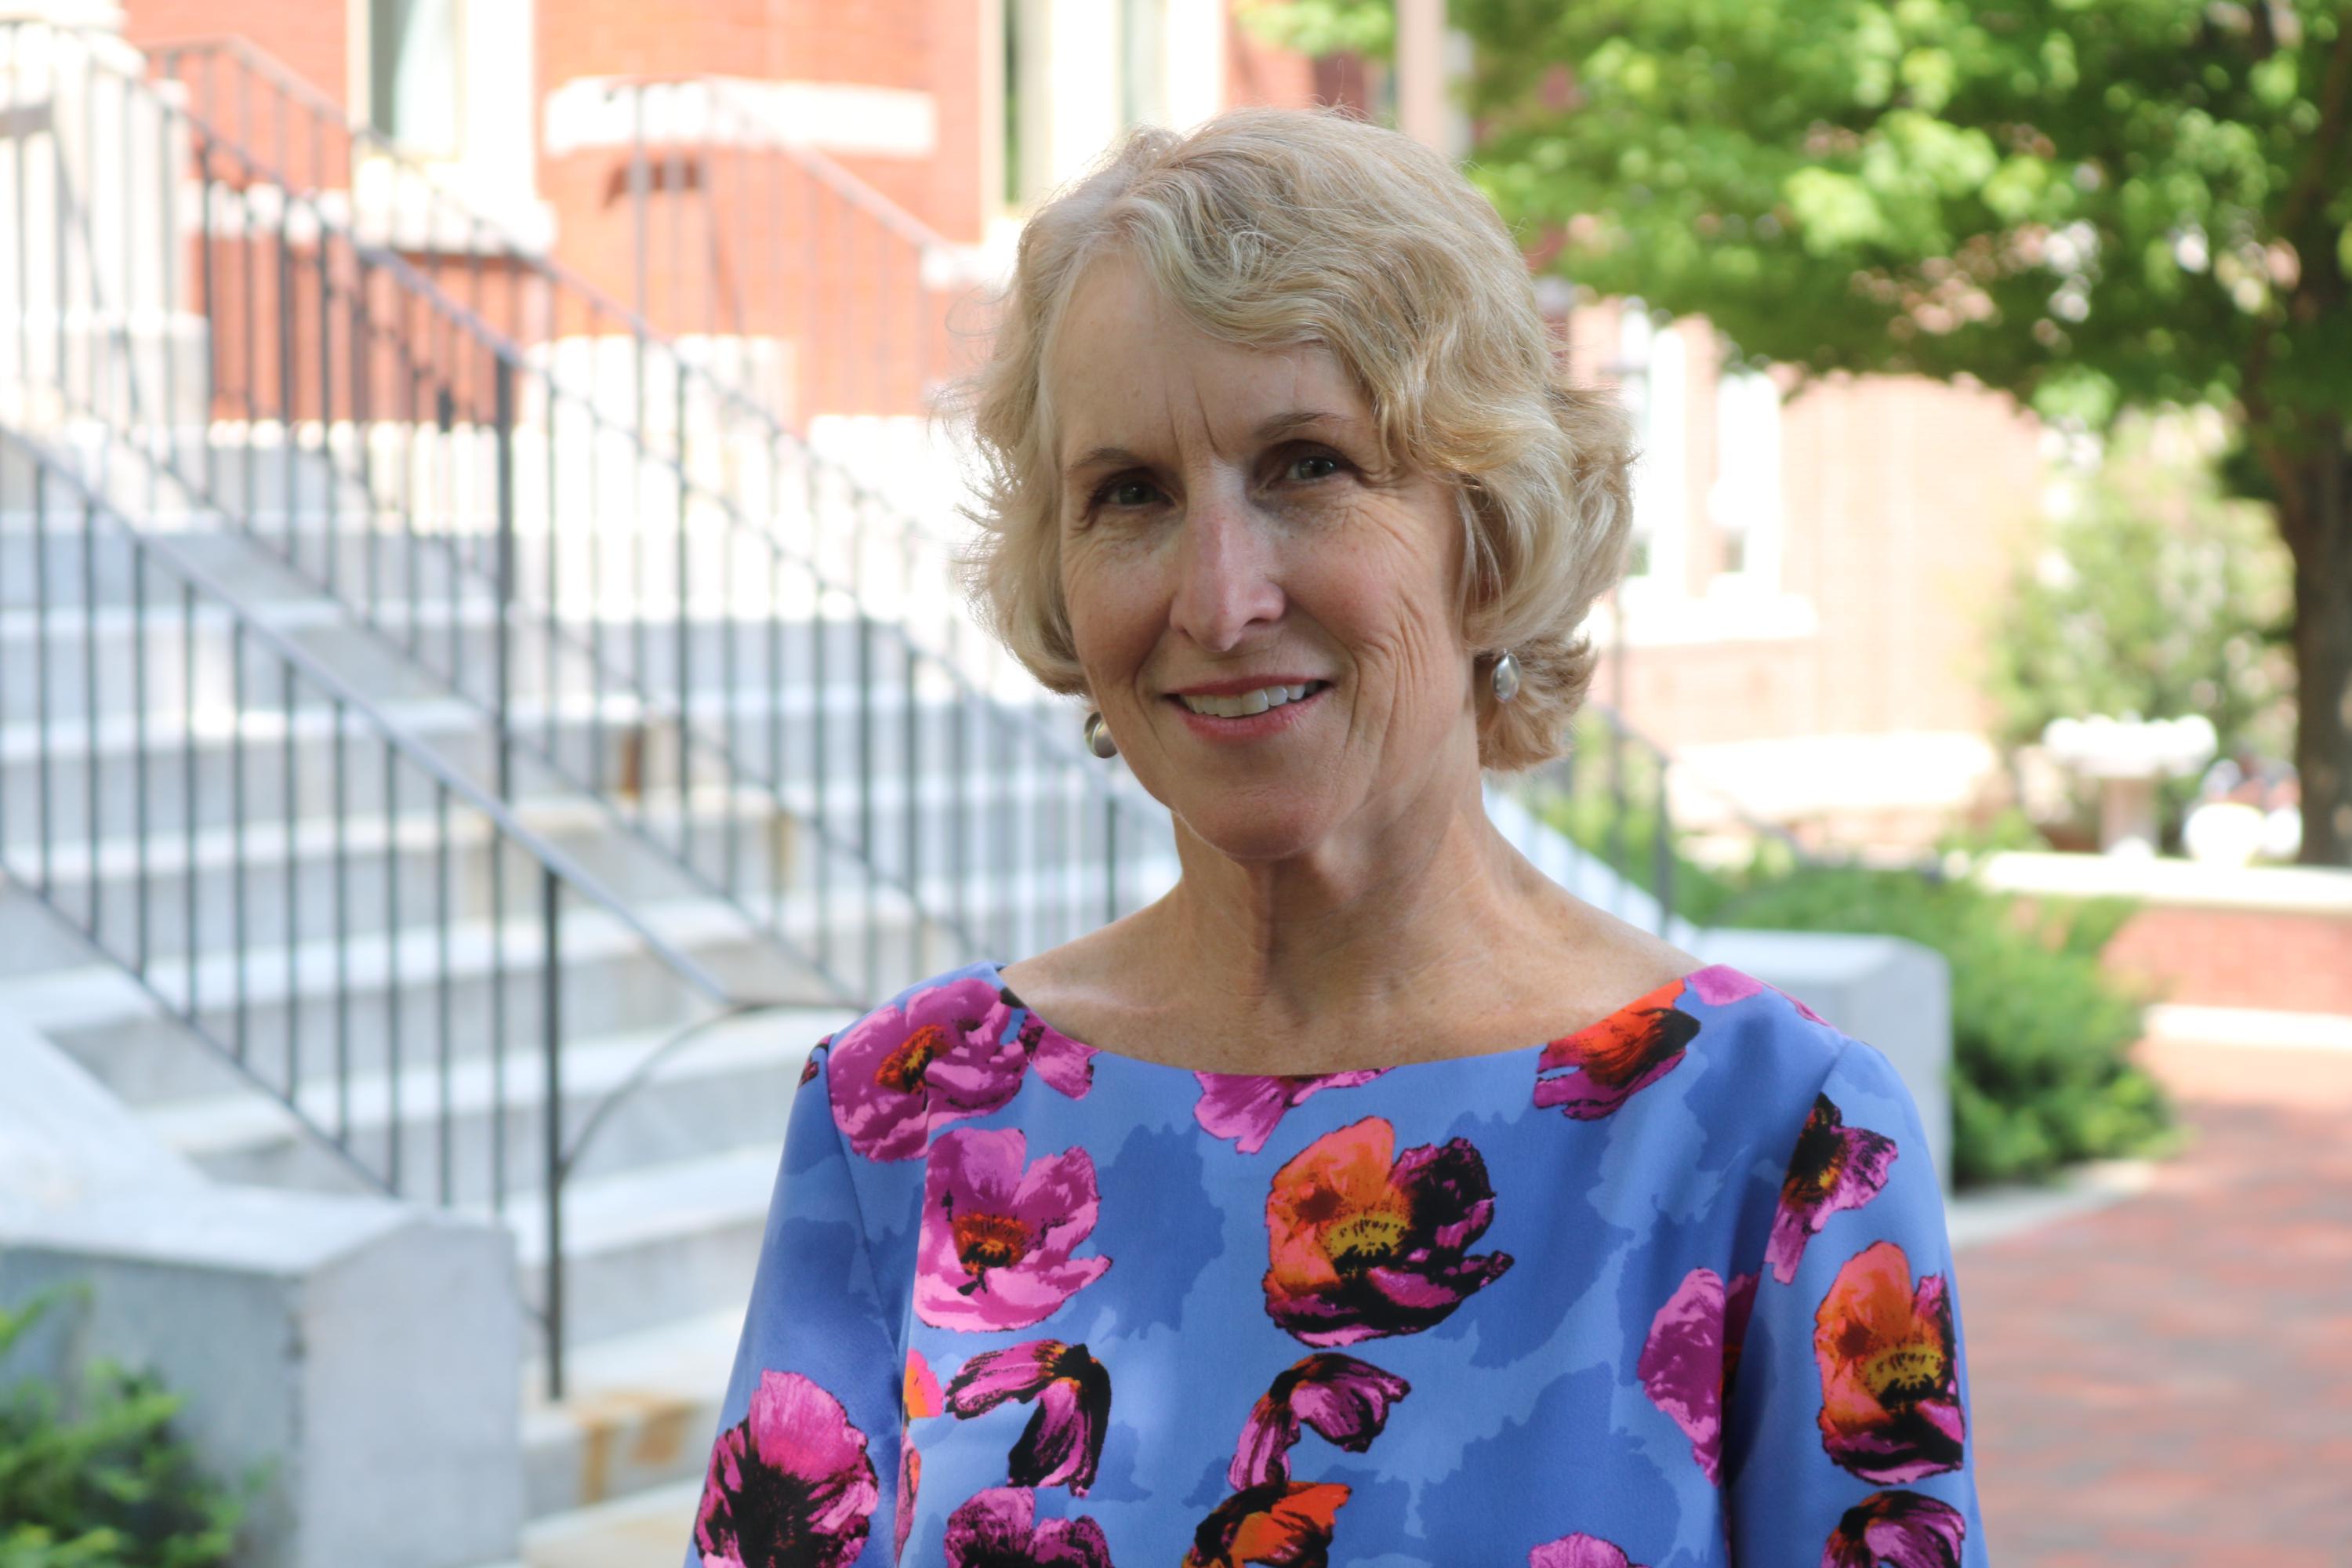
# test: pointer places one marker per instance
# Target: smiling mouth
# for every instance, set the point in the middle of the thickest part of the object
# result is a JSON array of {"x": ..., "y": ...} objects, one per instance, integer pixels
[{"x": 1248, "y": 704}]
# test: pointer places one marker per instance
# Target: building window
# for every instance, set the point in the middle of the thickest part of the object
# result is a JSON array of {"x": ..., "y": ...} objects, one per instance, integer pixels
[
  {"x": 413, "y": 86},
  {"x": 1744, "y": 502},
  {"x": 1654, "y": 376},
  {"x": 1143, "y": 33}
]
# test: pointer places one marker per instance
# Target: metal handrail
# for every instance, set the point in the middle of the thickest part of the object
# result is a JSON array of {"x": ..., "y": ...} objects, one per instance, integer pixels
[
  {"x": 600, "y": 303},
  {"x": 734, "y": 399},
  {"x": 131, "y": 943},
  {"x": 729, "y": 91},
  {"x": 458, "y": 325}
]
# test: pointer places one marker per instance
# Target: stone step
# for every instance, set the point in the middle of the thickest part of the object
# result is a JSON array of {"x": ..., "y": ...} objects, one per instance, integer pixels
[
  {"x": 639, "y": 1411},
  {"x": 397, "y": 648},
  {"x": 390, "y": 1001},
  {"x": 606, "y": 742},
  {"x": 172, "y": 894},
  {"x": 648, "y": 1247},
  {"x": 862, "y": 929},
  {"x": 644, "y": 1529},
  {"x": 728, "y": 1086}
]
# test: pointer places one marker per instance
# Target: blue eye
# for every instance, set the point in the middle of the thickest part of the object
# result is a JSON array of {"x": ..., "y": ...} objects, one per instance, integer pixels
[
  {"x": 1127, "y": 492},
  {"x": 1321, "y": 464}
]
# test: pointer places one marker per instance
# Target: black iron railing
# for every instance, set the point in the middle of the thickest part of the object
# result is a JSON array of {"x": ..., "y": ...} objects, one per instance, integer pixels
[
  {"x": 706, "y": 666},
  {"x": 338, "y": 911}
]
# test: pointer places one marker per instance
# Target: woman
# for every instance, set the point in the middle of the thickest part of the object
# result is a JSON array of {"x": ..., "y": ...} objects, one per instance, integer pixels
[{"x": 1252, "y": 1228}]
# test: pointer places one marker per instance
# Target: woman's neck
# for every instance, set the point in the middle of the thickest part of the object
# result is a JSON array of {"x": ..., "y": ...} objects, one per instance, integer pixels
[{"x": 1428, "y": 937}]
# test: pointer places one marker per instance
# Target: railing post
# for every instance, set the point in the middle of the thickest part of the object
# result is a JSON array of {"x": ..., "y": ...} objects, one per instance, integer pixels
[
  {"x": 684, "y": 630},
  {"x": 551, "y": 1050},
  {"x": 1663, "y": 850},
  {"x": 503, "y": 379}
]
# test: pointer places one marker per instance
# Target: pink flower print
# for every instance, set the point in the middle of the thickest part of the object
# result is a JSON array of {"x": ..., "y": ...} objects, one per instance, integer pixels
[
  {"x": 1901, "y": 1529},
  {"x": 901, "y": 1070},
  {"x": 1066, "y": 1065},
  {"x": 1834, "y": 1167},
  {"x": 789, "y": 1483},
  {"x": 1692, "y": 1353},
  {"x": 998, "y": 1528},
  {"x": 910, "y": 1481},
  {"x": 998, "y": 1232},
  {"x": 1579, "y": 1550},
  {"x": 1247, "y": 1107},
  {"x": 1063, "y": 1443},
  {"x": 1345, "y": 1400},
  {"x": 1719, "y": 985}
]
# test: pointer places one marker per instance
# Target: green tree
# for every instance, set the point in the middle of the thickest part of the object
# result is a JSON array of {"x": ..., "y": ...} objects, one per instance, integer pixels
[
  {"x": 2152, "y": 595},
  {"x": 2092, "y": 205}
]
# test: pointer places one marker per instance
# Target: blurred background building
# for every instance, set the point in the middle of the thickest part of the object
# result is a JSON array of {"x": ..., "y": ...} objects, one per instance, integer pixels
[
  {"x": 1805, "y": 622},
  {"x": 483, "y": 688}
]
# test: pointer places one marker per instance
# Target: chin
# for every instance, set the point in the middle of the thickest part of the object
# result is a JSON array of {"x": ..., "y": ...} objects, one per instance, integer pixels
[{"x": 1257, "y": 830}]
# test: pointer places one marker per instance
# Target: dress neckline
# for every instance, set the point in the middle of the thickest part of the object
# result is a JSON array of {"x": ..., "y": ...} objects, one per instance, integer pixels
[{"x": 1732, "y": 979}]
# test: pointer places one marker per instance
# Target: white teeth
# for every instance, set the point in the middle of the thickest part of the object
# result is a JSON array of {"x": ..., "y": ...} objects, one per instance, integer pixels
[{"x": 1247, "y": 702}]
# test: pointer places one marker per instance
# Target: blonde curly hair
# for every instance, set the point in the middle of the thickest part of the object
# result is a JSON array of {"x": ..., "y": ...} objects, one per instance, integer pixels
[{"x": 1275, "y": 227}]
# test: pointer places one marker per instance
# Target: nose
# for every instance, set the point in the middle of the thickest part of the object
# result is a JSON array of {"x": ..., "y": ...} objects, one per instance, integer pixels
[{"x": 1226, "y": 573}]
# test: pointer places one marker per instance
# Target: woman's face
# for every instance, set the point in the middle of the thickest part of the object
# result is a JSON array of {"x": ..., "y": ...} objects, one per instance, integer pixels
[{"x": 1226, "y": 528}]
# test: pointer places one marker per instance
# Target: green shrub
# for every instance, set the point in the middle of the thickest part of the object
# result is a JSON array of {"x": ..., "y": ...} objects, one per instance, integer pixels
[
  {"x": 2039, "y": 1075},
  {"x": 99, "y": 1480}
]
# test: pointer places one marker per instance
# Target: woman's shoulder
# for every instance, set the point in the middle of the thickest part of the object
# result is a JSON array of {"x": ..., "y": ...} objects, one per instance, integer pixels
[{"x": 952, "y": 1045}]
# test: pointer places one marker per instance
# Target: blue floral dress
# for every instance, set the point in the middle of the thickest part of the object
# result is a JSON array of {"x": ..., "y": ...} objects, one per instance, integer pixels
[{"x": 1673, "y": 1290}]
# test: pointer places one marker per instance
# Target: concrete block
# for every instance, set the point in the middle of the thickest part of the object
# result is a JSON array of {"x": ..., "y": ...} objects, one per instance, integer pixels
[
  {"x": 366, "y": 1350},
  {"x": 64, "y": 1140},
  {"x": 1882, "y": 990}
]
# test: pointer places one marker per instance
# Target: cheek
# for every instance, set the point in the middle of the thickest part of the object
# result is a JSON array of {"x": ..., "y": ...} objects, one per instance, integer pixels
[
  {"x": 1390, "y": 593},
  {"x": 1111, "y": 608}
]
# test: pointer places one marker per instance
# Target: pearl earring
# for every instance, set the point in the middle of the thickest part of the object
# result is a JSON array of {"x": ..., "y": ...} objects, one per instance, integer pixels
[
  {"x": 1098, "y": 738},
  {"x": 1507, "y": 677}
]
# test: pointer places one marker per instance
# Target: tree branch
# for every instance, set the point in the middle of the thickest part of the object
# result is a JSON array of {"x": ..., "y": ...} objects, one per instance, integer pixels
[{"x": 2335, "y": 98}]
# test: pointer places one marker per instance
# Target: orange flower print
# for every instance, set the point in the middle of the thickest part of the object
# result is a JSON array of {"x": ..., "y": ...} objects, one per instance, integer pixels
[
  {"x": 1891, "y": 1408},
  {"x": 1591, "y": 1073},
  {"x": 1283, "y": 1524},
  {"x": 1363, "y": 1242}
]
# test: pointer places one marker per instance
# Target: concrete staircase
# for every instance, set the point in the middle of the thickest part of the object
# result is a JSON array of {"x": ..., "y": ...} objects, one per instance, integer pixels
[{"x": 318, "y": 939}]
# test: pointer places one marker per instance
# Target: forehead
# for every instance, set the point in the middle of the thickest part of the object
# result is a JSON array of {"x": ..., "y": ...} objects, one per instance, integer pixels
[{"x": 1128, "y": 366}]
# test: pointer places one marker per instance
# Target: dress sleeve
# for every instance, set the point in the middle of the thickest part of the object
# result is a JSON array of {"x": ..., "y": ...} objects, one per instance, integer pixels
[
  {"x": 808, "y": 1447},
  {"x": 1847, "y": 1441}
]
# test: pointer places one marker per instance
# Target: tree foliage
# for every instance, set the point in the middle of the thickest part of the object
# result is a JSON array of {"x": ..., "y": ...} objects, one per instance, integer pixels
[
  {"x": 1366, "y": 27},
  {"x": 2092, "y": 205},
  {"x": 99, "y": 1480}
]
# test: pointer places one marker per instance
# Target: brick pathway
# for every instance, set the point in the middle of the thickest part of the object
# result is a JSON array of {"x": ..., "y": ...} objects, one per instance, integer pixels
[{"x": 2169, "y": 1382}]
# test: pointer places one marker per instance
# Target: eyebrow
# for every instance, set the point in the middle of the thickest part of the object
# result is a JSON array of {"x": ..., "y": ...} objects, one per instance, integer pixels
[{"x": 1273, "y": 428}]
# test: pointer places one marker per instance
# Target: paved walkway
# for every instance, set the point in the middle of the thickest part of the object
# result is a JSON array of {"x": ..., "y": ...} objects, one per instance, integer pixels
[{"x": 2169, "y": 1381}]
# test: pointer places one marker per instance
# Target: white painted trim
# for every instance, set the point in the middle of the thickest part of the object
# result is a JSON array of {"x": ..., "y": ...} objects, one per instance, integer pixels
[
  {"x": 2250, "y": 1029},
  {"x": 837, "y": 117},
  {"x": 1194, "y": 61},
  {"x": 2272, "y": 889},
  {"x": 1746, "y": 497},
  {"x": 1660, "y": 394},
  {"x": 1729, "y": 612}
]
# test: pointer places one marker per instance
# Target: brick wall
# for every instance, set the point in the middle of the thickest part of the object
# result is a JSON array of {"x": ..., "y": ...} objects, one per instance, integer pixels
[
  {"x": 2239, "y": 958},
  {"x": 310, "y": 35}
]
